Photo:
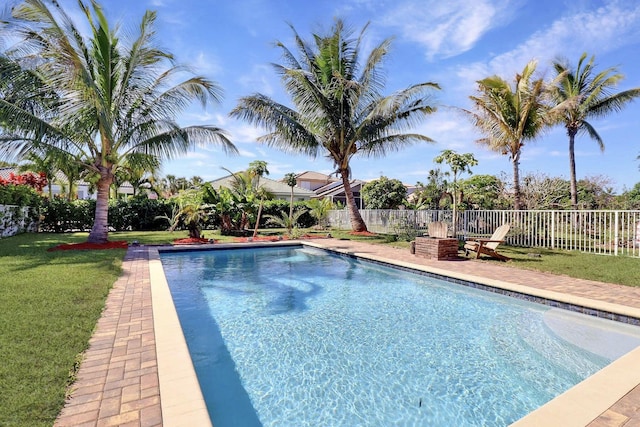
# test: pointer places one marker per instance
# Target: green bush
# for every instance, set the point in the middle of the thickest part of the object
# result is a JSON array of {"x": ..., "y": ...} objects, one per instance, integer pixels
[
  {"x": 275, "y": 208},
  {"x": 19, "y": 195},
  {"x": 62, "y": 215},
  {"x": 139, "y": 213},
  {"x": 136, "y": 213}
]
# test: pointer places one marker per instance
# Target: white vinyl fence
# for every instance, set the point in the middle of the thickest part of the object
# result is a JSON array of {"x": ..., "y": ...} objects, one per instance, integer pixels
[
  {"x": 602, "y": 231},
  {"x": 16, "y": 219}
]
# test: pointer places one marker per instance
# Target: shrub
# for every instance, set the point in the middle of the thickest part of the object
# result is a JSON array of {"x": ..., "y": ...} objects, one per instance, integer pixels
[
  {"x": 19, "y": 195},
  {"x": 136, "y": 213},
  {"x": 275, "y": 208}
]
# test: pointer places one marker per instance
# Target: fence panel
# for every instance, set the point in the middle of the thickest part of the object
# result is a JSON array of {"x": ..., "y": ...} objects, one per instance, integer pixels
[{"x": 599, "y": 231}]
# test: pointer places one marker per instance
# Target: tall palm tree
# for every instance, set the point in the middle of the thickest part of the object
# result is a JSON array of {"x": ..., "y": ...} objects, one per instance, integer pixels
[
  {"x": 511, "y": 116},
  {"x": 114, "y": 99},
  {"x": 338, "y": 108},
  {"x": 593, "y": 97},
  {"x": 257, "y": 169},
  {"x": 291, "y": 180}
]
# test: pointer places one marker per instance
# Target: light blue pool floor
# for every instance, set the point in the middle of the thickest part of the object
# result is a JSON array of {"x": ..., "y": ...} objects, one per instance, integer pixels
[{"x": 329, "y": 338}]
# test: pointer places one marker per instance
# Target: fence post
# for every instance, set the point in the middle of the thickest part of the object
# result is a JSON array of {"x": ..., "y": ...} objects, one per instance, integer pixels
[
  {"x": 615, "y": 233},
  {"x": 553, "y": 230}
]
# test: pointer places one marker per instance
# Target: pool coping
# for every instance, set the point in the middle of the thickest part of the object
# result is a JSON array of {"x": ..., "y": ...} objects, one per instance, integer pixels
[{"x": 182, "y": 400}]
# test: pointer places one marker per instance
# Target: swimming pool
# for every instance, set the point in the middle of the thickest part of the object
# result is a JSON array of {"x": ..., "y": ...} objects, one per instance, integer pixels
[{"x": 321, "y": 338}]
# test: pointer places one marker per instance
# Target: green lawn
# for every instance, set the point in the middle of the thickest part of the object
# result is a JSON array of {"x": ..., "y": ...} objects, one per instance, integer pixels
[
  {"x": 50, "y": 302},
  {"x": 49, "y": 305},
  {"x": 622, "y": 270}
]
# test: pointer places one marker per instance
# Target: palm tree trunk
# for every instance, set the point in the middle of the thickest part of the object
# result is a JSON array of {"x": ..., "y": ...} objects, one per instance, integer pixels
[
  {"x": 99, "y": 232},
  {"x": 291, "y": 211},
  {"x": 517, "y": 202},
  {"x": 255, "y": 230},
  {"x": 357, "y": 223},
  {"x": 572, "y": 169}
]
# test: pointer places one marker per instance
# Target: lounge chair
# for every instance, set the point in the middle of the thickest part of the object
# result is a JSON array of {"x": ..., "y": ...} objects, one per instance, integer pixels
[
  {"x": 488, "y": 246},
  {"x": 438, "y": 230}
]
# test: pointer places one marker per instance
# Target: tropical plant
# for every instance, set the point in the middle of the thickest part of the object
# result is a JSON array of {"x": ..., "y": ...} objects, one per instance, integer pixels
[
  {"x": 257, "y": 169},
  {"x": 291, "y": 180},
  {"x": 242, "y": 201},
  {"x": 113, "y": 99},
  {"x": 337, "y": 105},
  {"x": 228, "y": 205},
  {"x": 384, "y": 193},
  {"x": 190, "y": 212},
  {"x": 319, "y": 209},
  {"x": 458, "y": 163},
  {"x": 286, "y": 221},
  {"x": 591, "y": 93},
  {"x": 509, "y": 116},
  {"x": 45, "y": 163},
  {"x": 429, "y": 195},
  {"x": 138, "y": 170}
]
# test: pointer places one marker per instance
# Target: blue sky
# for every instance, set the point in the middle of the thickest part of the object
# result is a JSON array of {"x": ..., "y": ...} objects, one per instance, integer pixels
[{"x": 454, "y": 43}]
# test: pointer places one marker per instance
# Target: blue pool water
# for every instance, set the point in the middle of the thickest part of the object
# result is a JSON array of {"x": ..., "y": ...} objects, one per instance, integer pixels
[{"x": 296, "y": 336}]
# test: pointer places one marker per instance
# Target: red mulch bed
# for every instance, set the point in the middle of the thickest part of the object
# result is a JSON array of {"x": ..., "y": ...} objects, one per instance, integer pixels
[
  {"x": 117, "y": 244},
  {"x": 276, "y": 238},
  {"x": 190, "y": 241}
]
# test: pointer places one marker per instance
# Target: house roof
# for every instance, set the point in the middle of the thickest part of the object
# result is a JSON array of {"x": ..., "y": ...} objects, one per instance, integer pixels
[
  {"x": 336, "y": 188},
  {"x": 315, "y": 176},
  {"x": 278, "y": 188}
]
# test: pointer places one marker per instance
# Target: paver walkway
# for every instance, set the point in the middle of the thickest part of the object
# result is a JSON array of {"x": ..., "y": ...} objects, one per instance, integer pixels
[{"x": 118, "y": 381}]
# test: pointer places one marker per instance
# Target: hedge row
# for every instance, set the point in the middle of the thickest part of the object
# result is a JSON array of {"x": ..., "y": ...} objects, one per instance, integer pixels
[
  {"x": 19, "y": 195},
  {"x": 137, "y": 213}
]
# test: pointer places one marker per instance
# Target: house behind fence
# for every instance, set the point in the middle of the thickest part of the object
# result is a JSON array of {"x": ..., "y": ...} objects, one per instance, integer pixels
[{"x": 607, "y": 232}]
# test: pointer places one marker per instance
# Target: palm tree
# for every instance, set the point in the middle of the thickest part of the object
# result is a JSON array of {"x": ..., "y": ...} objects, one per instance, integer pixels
[
  {"x": 72, "y": 170},
  {"x": 510, "y": 117},
  {"x": 139, "y": 171},
  {"x": 257, "y": 169},
  {"x": 45, "y": 163},
  {"x": 593, "y": 99},
  {"x": 291, "y": 180},
  {"x": 338, "y": 109},
  {"x": 114, "y": 99},
  {"x": 319, "y": 209}
]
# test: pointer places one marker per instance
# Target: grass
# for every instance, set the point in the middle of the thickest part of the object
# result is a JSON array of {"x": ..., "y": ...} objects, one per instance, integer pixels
[
  {"x": 622, "y": 270},
  {"x": 50, "y": 303}
]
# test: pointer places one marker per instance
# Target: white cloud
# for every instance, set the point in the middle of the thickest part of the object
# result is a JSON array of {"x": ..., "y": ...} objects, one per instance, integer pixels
[
  {"x": 195, "y": 155},
  {"x": 203, "y": 64},
  {"x": 247, "y": 153},
  {"x": 448, "y": 28},
  {"x": 600, "y": 30},
  {"x": 258, "y": 80}
]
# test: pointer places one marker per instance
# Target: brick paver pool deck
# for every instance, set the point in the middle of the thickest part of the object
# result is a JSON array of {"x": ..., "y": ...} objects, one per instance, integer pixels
[{"x": 119, "y": 381}]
